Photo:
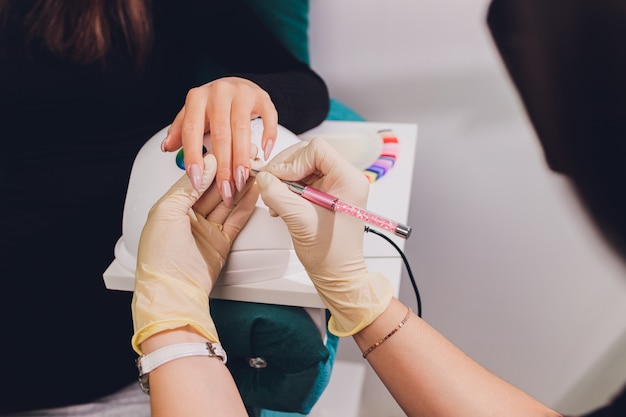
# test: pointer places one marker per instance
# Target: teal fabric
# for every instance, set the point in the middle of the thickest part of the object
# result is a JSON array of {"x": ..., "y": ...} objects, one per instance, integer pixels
[
  {"x": 299, "y": 364},
  {"x": 288, "y": 20},
  {"x": 320, "y": 383},
  {"x": 339, "y": 111}
]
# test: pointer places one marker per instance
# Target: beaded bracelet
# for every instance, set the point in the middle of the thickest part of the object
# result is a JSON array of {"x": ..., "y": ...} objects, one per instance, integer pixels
[{"x": 381, "y": 341}]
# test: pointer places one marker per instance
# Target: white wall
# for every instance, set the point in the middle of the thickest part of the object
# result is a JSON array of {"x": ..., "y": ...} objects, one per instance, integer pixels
[{"x": 508, "y": 265}]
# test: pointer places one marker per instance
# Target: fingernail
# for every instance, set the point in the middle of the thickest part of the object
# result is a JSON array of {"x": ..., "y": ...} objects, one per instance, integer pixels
[
  {"x": 164, "y": 142},
  {"x": 195, "y": 174},
  {"x": 227, "y": 193},
  {"x": 267, "y": 150},
  {"x": 241, "y": 176}
]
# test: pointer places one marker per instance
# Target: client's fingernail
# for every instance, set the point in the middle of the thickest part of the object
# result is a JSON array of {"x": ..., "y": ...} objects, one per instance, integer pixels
[
  {"x": 241, "y": 176},
  {"x": 227, "y": 193},
  {"x": 267, "y": 150},
  {"x": 195, "y": 175},
  {"x": 164, "y": 142}
]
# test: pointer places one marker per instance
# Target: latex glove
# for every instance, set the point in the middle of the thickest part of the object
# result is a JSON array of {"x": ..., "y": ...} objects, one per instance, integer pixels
[
  {"x": 225, "y": 107},
  {"x": 329, "y": 244},
  {"x": 182, "y": 249}
]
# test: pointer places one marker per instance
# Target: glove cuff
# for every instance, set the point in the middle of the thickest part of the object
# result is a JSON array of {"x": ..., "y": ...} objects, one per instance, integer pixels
[
  {"x": 354, "y": 302},
  {"x": 207, "y": 330},
  {"x": 163, "y": 303}
]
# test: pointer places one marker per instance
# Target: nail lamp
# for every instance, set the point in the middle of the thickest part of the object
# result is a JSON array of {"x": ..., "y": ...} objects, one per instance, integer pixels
[{"x": 262, "y": 257}]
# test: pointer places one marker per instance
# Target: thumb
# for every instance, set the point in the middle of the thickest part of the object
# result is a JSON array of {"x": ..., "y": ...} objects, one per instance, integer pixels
[
  {"x": 182, "y": 195},
  {"x": 210, "y": 168}
]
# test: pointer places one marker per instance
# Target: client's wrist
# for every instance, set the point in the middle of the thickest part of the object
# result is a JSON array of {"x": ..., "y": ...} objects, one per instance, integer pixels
[{"x": 150, "y": 361}]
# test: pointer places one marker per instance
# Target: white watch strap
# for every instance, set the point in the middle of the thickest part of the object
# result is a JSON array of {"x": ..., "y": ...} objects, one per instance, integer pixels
[{"x": 149, "y": 362}]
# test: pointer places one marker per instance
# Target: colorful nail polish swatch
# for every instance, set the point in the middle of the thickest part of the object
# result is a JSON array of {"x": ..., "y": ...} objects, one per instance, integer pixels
[{"x": 387, "y": 157}]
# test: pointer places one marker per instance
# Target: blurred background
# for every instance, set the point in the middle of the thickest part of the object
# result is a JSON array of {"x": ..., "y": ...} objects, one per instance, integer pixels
[{"x": 508, "y": 265}]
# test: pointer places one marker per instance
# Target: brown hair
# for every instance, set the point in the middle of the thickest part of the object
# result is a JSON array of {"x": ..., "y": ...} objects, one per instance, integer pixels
[{"x": 81, "y": 30}]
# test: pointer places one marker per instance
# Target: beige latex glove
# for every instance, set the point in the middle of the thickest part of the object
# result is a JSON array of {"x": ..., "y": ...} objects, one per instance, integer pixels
[
  {"x": 182, "y": 249},
  {"x": 329, "y": 244}
]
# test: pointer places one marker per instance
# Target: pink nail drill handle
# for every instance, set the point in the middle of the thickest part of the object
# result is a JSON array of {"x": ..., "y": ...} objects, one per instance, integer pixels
[
  {"x": 319, "y": 197},
  {"x": 333, "y": 203}
]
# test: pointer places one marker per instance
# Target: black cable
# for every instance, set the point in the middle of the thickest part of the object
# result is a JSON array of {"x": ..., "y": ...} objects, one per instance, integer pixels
[{"x": 406, "y": 264}]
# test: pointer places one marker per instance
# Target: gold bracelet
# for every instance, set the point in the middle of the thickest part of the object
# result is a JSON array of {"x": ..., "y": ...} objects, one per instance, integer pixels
[{"x": 381, "y": 341}]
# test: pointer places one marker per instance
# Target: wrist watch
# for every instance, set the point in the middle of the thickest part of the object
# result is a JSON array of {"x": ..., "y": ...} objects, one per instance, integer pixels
[{"x": 149, "y": 362}]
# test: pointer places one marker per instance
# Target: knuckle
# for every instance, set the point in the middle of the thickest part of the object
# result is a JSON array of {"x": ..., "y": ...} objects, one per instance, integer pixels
[
  {"x": 193, "y": 93},
  {"x": 189, "y": 127},
  {"x": 241, "y": 124},
  {"x": 220, "y": 132}
]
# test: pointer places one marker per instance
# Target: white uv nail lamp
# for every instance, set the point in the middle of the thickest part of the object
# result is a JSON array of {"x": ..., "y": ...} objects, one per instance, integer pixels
[{"x": 262, "y": 265}]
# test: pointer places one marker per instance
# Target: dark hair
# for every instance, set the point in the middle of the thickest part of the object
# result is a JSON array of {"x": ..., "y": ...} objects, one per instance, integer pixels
[{"x": 81, "y": 30}]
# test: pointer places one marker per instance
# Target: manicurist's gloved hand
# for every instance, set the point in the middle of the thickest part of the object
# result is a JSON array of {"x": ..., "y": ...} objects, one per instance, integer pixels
[
  {"x": 329, "y": 244},
  {"x": 183, "y": 247}
]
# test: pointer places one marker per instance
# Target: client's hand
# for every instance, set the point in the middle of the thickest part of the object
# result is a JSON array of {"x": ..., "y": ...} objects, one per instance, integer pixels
[
  {"x": 183, "y": 247},
  {"x": 329, "y": 244},
  {"x": 224, "y": 107}
]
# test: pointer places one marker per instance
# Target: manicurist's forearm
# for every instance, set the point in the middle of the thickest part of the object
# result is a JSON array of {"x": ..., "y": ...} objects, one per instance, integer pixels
[
  {"x": 429, "y": 376},
  {"x": 191, "y": 386}
]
